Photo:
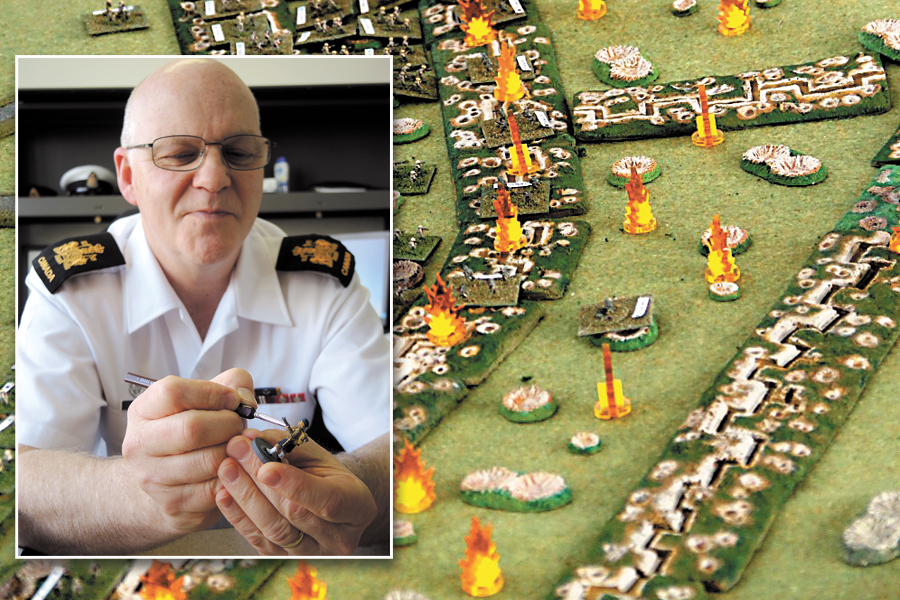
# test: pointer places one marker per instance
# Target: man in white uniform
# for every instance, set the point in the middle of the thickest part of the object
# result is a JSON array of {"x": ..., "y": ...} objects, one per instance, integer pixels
[{"x": 194, "y": 286}]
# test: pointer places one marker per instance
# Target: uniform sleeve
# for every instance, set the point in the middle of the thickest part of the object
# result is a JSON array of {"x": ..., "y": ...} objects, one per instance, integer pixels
[
  {"x": 351, "y": 375},
  {"x": 58, "y": 391}
]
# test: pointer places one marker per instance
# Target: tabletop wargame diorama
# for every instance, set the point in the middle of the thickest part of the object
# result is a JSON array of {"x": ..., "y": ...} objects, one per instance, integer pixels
[{"x": 673, "y": 453}]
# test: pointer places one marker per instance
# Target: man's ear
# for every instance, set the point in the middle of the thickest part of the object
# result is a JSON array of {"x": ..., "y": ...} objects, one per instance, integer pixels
[{"x": 125, "y": 175}]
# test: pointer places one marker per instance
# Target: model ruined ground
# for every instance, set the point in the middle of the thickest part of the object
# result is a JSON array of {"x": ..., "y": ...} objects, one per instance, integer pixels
[
  {"x": 889, "y": 153},
  {"x": 783, "y": 165},
  {"x": 233, "y": 26},
  {"x": 413, "y": 177},
  {"x": 502, "y": 489},
  {"x": 833, "y": 87},
  {"x": 115, "y": 19}
]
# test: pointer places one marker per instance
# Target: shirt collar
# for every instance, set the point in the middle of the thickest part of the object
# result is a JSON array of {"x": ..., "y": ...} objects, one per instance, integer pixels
[
  {"x": 254, "y": 283},
  {"x": 148, "y": 294}
]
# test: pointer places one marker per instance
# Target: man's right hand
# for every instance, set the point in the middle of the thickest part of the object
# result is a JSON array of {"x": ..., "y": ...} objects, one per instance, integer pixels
[{"x": 175, "y": 441}]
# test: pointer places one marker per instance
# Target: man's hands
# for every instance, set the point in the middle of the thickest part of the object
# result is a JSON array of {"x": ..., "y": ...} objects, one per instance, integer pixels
[
  {"x": 316, "y": 494},
  {"x": 175, "y": 443}
]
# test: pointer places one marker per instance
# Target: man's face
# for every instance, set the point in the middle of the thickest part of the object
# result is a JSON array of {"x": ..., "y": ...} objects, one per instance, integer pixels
[{"x": 201, "y": 217}]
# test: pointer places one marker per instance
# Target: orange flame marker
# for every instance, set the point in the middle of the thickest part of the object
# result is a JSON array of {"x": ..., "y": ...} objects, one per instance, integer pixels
[
  {"x": 518, "y": 154},
  {"x": 706, "y": 135},
  {"x": 509, "y": 84},
  {"x": 413, "y": 487},
  {"x": 476, "y": 23},
  {"x": 894, "y": 244},
  {"x": 720, "y": 263},
  {"x": 304, "y": 585},
  {"x": 481, "y": 574},
  {"x": 159, "y": 583},
  {"x": 734, "y": 17},
  {"x": 447, "y": 328},
  {"x": 638, "y": 214},
  {"x": 611, "y": 401},
  {"x": 509, "y": 232},
  {"x": 591, "y": 10}
]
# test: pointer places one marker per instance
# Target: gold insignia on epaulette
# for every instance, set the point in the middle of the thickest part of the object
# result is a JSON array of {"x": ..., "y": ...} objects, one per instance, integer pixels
[
  {"x": 75, "y": 254},
  {"x": 322, "y": 252},
  {"x": 45, "y": 267}
]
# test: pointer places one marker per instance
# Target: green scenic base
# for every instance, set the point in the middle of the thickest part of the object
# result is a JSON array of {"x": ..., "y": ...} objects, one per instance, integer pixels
[
  {"x": 552, "y": 258},
  {"x": 183, "y": 21},
  {"x": 742, "y": 247},
  {"x": 416, "y": 414},
  {"x": 766, "y": 3},
  {"x": 889, "y": 153},
  {"x": 498, "y": 332},
  {"x": 542, "y": 413},
  {"x": 620, "y": 182},
  {"x": 420, "y": 252},
  {"x": 744, "y": 100},
  {"x": 478, "y": 171},
  {"x": 602, "y": 71},
  {"x": 406, "y": 541},
  {"x": 440, "y": 25},
  {"x": 584, "y": 451},
  {"x": 725, "y": 297},
  {"x": 246, "y": 581},
  {"x": 409, "y": 186},
  {"x": 683, "y": 13},
  {"x": 101, "y": 24},
  {"x": 763, "y": 171},
  {"x": 630, "y": 340},
  {"x": 502, "y": 500},
  {"x": 418, "y": 134},
  {"x": 876, "y": 44}
]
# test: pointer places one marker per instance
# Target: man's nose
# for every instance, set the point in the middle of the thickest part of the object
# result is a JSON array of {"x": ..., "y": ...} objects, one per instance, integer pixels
[{"x": 213, "y": 172}]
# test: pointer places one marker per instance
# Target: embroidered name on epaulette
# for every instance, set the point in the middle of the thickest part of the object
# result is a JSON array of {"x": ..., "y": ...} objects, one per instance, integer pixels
[
  {"x": 316, "y": 253},
  {"x": 74, "y": 256}
]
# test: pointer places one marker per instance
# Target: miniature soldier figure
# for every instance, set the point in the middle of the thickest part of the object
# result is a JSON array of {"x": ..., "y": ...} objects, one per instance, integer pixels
[
  {"x": 397, "y": 235},
  {"x": 381, "y": 15},
  {"x": 492, "y": 285},
  {"x": 240, "y": 19},
  {"x": 419, "y": 166},
  {"x": 319, "y": 25},
  {"x": 390, "y": 42},
  {"x": 326, "y": 49},
  {"x": 420, "y": 232},
  {"x": 406, "y": 23},
  {"x": 337, "y": 22},
  {"x": 345, "y": 50},
  {"x": 413, "y": 243},
  {"x": 110, "y": 14},
  {"x": 123, "y": 13},
  {"x": 418, "y": 81},
  {"x": 413, "y": 175},
  {"x": 406, "y": 40}
]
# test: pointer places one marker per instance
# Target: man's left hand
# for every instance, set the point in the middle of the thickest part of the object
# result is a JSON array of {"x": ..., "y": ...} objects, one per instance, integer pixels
[{"x": 271, "y": 504}]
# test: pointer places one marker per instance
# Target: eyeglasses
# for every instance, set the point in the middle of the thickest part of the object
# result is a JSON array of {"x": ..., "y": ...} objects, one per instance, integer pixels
[{"x": 186, "y": 152}]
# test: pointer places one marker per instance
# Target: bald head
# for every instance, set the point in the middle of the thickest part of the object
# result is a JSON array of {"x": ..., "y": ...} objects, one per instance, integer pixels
[{"x": 202, "y": 84}]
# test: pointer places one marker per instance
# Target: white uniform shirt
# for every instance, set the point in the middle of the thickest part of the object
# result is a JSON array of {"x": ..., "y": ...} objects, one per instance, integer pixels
[{"x": 300, "y": 331}]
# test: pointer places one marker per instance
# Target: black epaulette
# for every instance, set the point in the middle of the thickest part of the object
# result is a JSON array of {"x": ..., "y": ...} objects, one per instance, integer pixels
[
  {"x": 76, "y": 255},
  {"x": 316, "y": 253}
]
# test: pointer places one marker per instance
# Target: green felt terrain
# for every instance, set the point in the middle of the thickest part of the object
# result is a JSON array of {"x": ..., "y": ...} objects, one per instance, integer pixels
[{"x": 800, "y": 558}]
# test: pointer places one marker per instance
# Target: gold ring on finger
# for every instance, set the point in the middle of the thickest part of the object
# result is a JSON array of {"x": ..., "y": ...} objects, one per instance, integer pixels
[{"x": 296, "y": 542}]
